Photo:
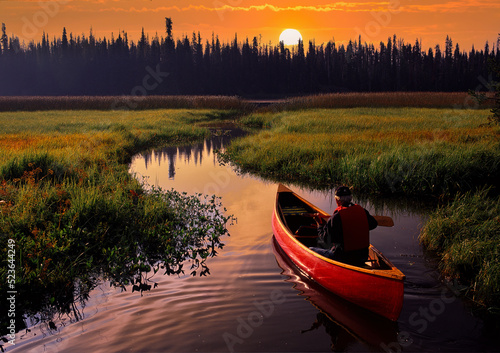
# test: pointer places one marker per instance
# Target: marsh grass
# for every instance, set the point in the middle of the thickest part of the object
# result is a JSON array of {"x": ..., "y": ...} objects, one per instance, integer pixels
[
  {"x": 124, "y": 103},
  {"x": 466, "y": 233},
  {"x": 408, "y": 151},
  {"x": 77, "y": 215},
  {"x": 455, "y": 100}
]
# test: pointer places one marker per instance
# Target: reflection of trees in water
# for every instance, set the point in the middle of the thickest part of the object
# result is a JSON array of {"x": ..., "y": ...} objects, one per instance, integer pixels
[
  {"x": 122, "y": 247},
  {"x": 144, "y": 234},
  {"x": 195, "y": 152}
]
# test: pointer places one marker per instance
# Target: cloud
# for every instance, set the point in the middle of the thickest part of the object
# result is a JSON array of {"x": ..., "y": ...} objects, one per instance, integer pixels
[
  {"x": 240, "y": 6},
  {"x": 461, "y": 6},
  {"x": 219, "y": 6}
]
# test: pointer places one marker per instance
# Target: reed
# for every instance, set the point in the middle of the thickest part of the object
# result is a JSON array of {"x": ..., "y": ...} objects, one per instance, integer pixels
[
  {"x": 458, "y": 100},
  {"x": 454, "y": 100},
  {"x": 125, "y": 103}
]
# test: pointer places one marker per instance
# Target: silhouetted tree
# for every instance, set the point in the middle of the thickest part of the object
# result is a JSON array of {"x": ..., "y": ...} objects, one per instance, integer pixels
[
  {"x": 89, "y": 65},
  {"x": 4, "y": 40}
]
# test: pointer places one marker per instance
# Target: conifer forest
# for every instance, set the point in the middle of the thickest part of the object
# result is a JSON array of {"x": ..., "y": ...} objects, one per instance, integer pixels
[{"x": 190, "y": 65}]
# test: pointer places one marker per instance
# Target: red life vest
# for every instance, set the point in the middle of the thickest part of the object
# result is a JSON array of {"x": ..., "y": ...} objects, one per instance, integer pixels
[{"x": 355, "y": 230}]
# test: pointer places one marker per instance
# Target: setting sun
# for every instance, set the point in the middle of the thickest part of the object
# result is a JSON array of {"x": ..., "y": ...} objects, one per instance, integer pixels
[{"x": 290, "y": 36}]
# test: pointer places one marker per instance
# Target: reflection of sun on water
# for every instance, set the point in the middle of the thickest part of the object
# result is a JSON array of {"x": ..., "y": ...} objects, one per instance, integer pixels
[{"x": 290, "y": 37}]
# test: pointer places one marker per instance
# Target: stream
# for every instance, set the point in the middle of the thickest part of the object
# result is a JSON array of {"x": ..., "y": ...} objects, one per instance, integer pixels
[{"x": 254, "y": 300}]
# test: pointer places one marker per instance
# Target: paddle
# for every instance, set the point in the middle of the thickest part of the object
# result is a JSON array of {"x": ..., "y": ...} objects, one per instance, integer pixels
[{"x": 383, "y": 221}]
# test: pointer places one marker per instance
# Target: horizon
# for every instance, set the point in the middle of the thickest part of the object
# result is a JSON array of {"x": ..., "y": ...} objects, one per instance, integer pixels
[{"x": 319, "y": 22}]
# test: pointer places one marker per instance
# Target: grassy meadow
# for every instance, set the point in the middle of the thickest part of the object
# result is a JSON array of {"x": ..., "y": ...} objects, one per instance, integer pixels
[
  {"x": 407, "y": 151},
  {"x": 126, "y": 103},
  {"x": 75, "y": 214}
]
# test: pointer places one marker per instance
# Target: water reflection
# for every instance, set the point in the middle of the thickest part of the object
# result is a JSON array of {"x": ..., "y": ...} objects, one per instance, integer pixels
[
  {"x": 195, "y": 153},
  {"x": 346, "y": 323}
]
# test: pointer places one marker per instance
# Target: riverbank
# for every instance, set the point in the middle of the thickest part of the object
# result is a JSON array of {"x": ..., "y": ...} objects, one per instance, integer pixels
[
  {"x": 405, "y": 151},
  {"x": 410, "y": 152},
  {"x": 72, "y": 214},
  {"x": 466, "y": 235}
]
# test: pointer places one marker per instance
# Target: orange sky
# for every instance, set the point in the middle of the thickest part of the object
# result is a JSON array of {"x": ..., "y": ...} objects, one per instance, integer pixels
[{"x": 466, "y": 21}]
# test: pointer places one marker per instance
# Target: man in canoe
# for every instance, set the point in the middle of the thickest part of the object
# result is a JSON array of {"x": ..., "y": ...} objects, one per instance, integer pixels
[{"x": 347, "y": 230}]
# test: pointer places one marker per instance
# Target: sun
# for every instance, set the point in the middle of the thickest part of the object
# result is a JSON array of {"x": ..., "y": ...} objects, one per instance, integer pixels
[{"x": 290, "y": 37}]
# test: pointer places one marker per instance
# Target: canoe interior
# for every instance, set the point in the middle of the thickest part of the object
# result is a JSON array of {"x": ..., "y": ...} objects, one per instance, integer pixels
[{"x": 293, "y": 212}]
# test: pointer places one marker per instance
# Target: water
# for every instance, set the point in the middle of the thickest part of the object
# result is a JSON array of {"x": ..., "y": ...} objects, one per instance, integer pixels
[{"x": 254, "y": 300}]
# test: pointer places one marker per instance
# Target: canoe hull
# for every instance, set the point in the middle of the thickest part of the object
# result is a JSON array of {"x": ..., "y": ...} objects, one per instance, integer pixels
[
  {"x": 380, "y": 291},
  {"x": 361, "y": 324}
]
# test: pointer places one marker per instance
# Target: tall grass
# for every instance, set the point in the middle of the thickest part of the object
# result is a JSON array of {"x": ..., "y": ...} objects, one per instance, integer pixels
[
  {"x": 76, "y": 214},
  {"x": 466, "y": 233},
  {"x": 331, "y": 100},
  {"x": 381, "y": 100},
  {"x": 35, "y": 103},
  {"x": 384, "y": 150}
]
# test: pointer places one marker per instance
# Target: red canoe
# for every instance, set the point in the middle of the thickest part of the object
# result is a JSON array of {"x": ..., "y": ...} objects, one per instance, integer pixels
[{"x": 376, "y": 286}]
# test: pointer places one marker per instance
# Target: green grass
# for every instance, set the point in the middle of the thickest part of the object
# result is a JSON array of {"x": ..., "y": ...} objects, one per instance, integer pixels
[
  {"x": 84, "y": 121},
  {"x": 76, "y": 215},
  {"x": 406, "y": 151},
  {"x": 466, "y": 234}
]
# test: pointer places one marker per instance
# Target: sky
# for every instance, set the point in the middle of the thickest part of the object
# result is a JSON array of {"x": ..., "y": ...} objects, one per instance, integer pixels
[{"x": 467, "y": 22}]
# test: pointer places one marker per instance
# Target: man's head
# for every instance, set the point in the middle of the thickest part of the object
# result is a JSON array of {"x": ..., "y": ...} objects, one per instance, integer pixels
[{"x": 343, "y": 195}]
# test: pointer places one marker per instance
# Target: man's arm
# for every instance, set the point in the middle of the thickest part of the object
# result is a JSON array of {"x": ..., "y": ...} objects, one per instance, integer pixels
[
  {"x": 331, "y": 231},
  {"x": 372, "y": 222}
]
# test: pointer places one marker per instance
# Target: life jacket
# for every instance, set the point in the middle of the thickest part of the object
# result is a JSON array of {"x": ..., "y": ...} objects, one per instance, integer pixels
[{"x": 355, "y": 228}]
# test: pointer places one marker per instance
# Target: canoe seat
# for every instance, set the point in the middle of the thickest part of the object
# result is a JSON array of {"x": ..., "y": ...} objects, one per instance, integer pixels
[
  {"x": 371, "y": 263},
  {"x": 293, "y": 210}
]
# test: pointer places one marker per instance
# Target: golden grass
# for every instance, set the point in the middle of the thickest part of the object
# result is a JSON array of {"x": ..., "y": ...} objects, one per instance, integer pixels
[
  {"x": 35, "y": 103},
  {"x": 459, "y": 100},
  {"x": 20, "y": 143}
]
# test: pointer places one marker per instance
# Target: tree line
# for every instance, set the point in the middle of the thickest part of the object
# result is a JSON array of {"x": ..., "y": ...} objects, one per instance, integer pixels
[{"x": 86, "y": 65}]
